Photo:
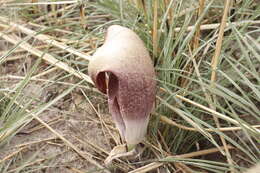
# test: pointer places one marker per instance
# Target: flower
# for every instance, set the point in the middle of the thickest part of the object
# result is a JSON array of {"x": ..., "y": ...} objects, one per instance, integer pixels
[{"x": 122, "y": 69}]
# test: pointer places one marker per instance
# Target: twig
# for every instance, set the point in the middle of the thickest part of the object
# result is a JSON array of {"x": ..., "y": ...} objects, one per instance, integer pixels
[
  {"x": 45, "y": 80},
  {"x": 35, "y": 142},
  {"x": 11, "y": 155},
  {"x": 155, "y": 26},
  {"x": 46, "y": 56},
  {"x": 49, "y": 15},
  {"x": 82, "y": 16},
  {"x": 41, "y": 3},
  {"x": 75, "y": 170},
  {"x": 12, "y": 58},
  {"x": 46, "y": 39},
  {"x": 216, "y": 25},
  {"x": 219, "y": 115},
  {"x": 197, "y": 33},
  {"x": 214, "y": 63},
  {"x": 19, "y": 50},
  {"x": 223, "y": 129},
  {"x": 45, "y": 72},
  {"x": 170, "y": 12},
  {"x": 155, "y": 165},
  {"x": 53, "y": 29}
]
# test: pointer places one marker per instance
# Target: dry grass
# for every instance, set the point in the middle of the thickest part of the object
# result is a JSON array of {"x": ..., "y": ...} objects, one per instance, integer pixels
[{"x": 62, "y": 124}]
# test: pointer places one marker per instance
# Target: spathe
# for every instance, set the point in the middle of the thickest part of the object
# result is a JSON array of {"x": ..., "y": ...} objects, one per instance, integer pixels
[{"x": 122, "y": 68}]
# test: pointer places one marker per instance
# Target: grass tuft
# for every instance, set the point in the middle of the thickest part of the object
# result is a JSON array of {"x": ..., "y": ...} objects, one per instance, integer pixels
[{"x": 206, "y": 56}]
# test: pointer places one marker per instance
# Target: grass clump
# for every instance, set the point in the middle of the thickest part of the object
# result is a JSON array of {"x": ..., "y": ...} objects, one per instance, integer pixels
[{"x": 206, "y": 56}]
